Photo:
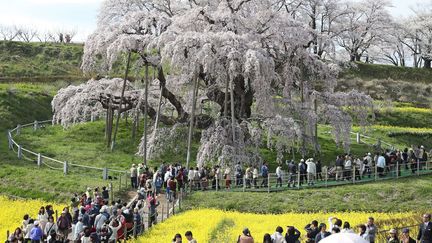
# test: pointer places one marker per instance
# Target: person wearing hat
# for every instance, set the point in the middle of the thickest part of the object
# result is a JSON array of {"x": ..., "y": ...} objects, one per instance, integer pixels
[
  {"x": 134, "y": 176},
  {"x": 78, "y": 229},
  {"x": 323, "y": 233},
  {"x": 100, "y": 219},
  {"x": 405, "y": 237},
  {"x": 36, "y": 233},
  {"x": 393, "y": 236},
  {"x": 63, "y": 224},
  {"x": 246, "y": 237},
  {"x": 425, "y": 230}
]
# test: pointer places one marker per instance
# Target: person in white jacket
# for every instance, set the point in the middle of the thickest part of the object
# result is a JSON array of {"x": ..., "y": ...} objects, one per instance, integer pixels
[
  {"x": 100, "y": 219},
  {"x": 279, "y": 174},
  {"x": 277, "y": 236},
  {"x": 115, "y": 226},
  {"x": 79, "y": 228},
  {"x": 50, "y": 226},
  {"x": 311, "y": 171}
]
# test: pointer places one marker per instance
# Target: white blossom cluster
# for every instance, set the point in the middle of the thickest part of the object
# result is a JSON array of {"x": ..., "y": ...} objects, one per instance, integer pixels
[{"x": 80, "y": 103}]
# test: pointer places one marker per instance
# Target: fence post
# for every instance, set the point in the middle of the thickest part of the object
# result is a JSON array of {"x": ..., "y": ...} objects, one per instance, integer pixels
[
  {"x": 125, "y": 233},
  {"x": 19, "y": 152},
  {"x": 56, "y": 213},
  {"x": 18, "y": 131},
  {"x": 326, "y": 178},
  {"x": 397, "y": 169},
  {"x": 180, "y": 198},
  {"x": 126, "y": 180},
  {"x": 174, "y": 207},
  {"x": 135, "y": 229},
  {"x": 7, "y": 234},
  {"x": 244, "y": 183},
  {"x": 217, "y": 181},
  {"x": 268, "y": 183},
  {"x": 353, "y": 174},
  {"x": 358, "y": 137},
  {"x": 10, "y": 140},
  {"x": 418, "y": 167},
  {"x": 111, "y": 191},
  {"x": 162, "y": 213},
  {"x": 167, "y": 208},
  {"x": 298, "y": 180},
  {"x": 105, "y": 173},
  {"x": 376, "y": 172},
  {"x": 35, "y": 125},
  {"x": 120, "y": 184},
  {"x": 65, "y": 167},
  {"x": 39, "y": 160}
]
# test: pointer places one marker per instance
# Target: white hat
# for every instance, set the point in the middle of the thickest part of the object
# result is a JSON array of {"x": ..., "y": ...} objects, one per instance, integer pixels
[
  {"x": 369, "y": 154},
  {"x": 422, "y": 146},
  {"x": 302, "y": 160},
  {"x": 36, "y": 223},
  {"x": 392, "y": 231},
  {"x": 102, "y": 210}
]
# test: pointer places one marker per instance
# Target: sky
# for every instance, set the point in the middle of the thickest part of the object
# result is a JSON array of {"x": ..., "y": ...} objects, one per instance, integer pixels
[{"x": 80, "y": 15}]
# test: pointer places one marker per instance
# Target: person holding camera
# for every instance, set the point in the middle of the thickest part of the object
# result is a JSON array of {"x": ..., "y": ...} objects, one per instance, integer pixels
[
  {"x": 246, "y": 237},
  {"x": 292, "y": 235}
]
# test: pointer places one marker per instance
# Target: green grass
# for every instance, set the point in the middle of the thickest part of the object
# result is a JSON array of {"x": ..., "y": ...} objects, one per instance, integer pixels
[
  {"x": 24, "y": 103},
  {"x": 408, "y": 194},
  {"x": 378, "y": 71}
]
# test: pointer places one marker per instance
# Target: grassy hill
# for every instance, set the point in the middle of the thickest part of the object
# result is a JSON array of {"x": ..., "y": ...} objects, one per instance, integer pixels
[{"x": 39, "y": 61}]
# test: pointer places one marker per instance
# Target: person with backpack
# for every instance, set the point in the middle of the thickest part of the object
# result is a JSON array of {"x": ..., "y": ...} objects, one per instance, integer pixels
[{"x": 105, "y": 232}]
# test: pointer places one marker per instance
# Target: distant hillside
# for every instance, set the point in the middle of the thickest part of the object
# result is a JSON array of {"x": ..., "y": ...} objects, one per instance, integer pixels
[
  {"x": 378, "y": 71},
  {"x": 389, "y": 83},
  {"x": 45, "y": 62},
  {"x": 39, "y": 61}
]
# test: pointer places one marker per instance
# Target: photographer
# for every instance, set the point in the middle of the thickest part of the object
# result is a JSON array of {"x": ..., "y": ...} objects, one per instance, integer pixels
[
  {"x": 246, "y": 237},
  {"x": 292, "y": 235}
]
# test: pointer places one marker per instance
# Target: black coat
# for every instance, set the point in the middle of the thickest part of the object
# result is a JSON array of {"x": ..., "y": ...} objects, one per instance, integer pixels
[
  {"x": 425, "y": 233},
  {"x": 318, "y": 236}
]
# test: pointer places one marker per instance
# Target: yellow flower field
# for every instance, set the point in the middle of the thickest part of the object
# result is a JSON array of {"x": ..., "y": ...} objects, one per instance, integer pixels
[
  {"x": 12, "y": 212},
  {"x": 207, "y": 225}
]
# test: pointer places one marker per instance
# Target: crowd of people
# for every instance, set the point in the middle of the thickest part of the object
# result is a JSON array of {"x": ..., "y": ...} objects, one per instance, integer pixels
[
  {"x": 173, "y": 177},
  {"x": 315, "y": 232},
  {"x": 89, "y": 218}
]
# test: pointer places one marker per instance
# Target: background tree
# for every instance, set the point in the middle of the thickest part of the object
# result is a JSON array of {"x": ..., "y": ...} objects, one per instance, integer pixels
[{"x": 250, "y": 60}]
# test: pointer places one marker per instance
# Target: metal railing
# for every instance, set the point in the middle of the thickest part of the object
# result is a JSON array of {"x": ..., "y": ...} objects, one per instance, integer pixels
[
  {"x": 65, "y": 166},
  {"x": 328, "y": 177}
]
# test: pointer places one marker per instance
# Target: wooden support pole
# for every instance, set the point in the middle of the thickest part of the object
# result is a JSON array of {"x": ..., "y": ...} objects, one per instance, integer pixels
[{"x": 121, "y": 101}]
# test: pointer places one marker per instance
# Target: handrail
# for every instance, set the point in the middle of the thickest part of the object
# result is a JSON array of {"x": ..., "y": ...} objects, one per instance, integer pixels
[{"x": 36, "y": 124}]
